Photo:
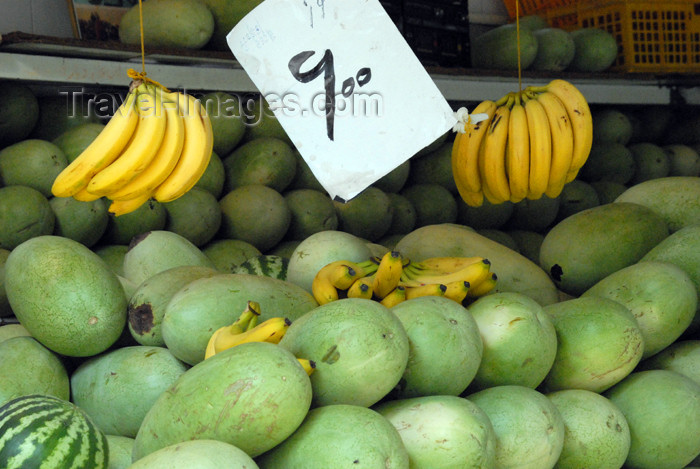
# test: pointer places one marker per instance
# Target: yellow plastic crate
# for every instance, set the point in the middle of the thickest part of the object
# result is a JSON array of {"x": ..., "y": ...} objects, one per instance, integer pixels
[{"x": 654, "y": 36}]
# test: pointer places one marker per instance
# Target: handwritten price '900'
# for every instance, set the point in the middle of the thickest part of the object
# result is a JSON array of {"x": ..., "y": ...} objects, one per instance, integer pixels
[{"x": 326, "y": 68}]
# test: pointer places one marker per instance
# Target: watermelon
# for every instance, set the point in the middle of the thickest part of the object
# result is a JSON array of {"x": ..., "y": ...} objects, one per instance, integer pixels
[
  {"x": 266, "y": 265},
  {"x": 45, "y": 431}
]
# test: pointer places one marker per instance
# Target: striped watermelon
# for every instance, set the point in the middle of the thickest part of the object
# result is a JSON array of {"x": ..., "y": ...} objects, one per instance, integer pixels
[
  {"x": 46, "y": 432},
  {"x": 266, "y": 265}
]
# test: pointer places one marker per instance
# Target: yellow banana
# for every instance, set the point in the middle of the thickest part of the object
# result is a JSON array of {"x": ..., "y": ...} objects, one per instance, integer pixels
[
  {"x": 518, "y": 152},
  {"x": 483, "y": 287},
  {"x": 388, "y": 274},
  {"x": 394, "y": 297},
  {"x": 140, "y": 150},
  {"x": 492, "y": 169},
  {"x": 562, "y": 142},
  {"x": 196, "y": 152},
  {"x": 473, "y": 199},
  {"x": 334, "y": 276},
  {"x": 102, "y": 151},
  {"x": 308, "y": 365},
  {"x": 249, "y": 316},
  {"x": 163, "y": 162},
  {"x": 365, "y": 268},
  {"x": 84, "y": 196},
  {"x": 540, "y": 148},
  {"x": 122, "y": 207},
  {"x": 581, "y": 122},
  {"x": 467, "y": 156},
  {"x": 432, "y": 289},
  {"x": 472, "y": 273},
  {"x": 457, "y": 290},
  {"x": 342, "y": 276},
  {"x": 444, "y": 265},
  {"x": 271, "y": 330},
  {"x": 361, "y": 288}
]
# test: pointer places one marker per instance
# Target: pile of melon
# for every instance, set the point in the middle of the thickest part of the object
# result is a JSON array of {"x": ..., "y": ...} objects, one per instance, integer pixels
[{"x": 585, "y": 355}]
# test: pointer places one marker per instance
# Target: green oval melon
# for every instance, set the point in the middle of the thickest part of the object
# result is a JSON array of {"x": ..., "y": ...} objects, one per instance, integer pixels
[
  {"x": 589, "y": 245},
  {"x": 528, "y": 243},
  {"x": 65, "y": 295},
  {"x": 537, "y": 215},
  {"x": 312, "y": 211},
  {"x": 396, "y": 179},
  {"x": 57, "y": 114},
  {"x": 599, "y": 344},
  {"x": 437, "y": 328},
  {"x": 650, "y": 162},
  {"x": 608, "y": 191},
  {"x": 595, "y": 50},
  {"x": 359, "y": 346},
  {"x": 5, "y": 309},
  {"x": 148, "y": 302},
  {"x": 267, "y": 161},
  {"x": 532, "y": 22},
  {"x": 320, "y": 249},
  {"x": 403, "y": 215},
  {"x": 159, "y": 250},
  {"x": 34, "y": 163},
  {"x": 196, "y": 216},
  {"x": 204, "y": 305},
  {"x": 50, "y": 429},
  {"x": 256, "y": 214},
  {"x": 661, "y": 296},
  {"x": 84, "y": 222},
  {"x": 19, "y": 112},
  {"x": 227, "y": 254},
  {"x": 516, "y": 273},
  {"x": 555, "y": 49},
  {"x": 611, "y": 125},
  {"x": 257, "y": 394},
  {"x": 597, "y": 434},
  {"x": 27, "y": 367},
  {"x": 575, "y": 197},
  {"x": 187, "y": 24},
  {"x": 442, "y": 431},
  {"x": 261, "y": 121},
  {"x": 119, "y": 451},
  {"x": 226, "y": 15},
  {"x": 148, "y": 217},
  {"x": 113, "y": 255},
  {"x": 284, "y": 249},
  {"x": 500, "y": 236},
  {"x": 26, "y": 213},
  {"x": 304, "y": 178},
  {"x": 498, "y": 48},
  {"x": 9, "y": 331},
  {"x": 662, "y": 409},
  {"x": 432, "y": 202},
  {"x": 117, "y": 388},
  {"x": 485, "y": 216},
  {"x": 214, "y": 176},
  {"x": 433, "y": 168},
  {"x": 340, "y": 435},
  {"x": 197, "y": 454},
  {"x": 529, "y": 428},
  {"x": 367, "y": 215},
  {"x": 75, "y": 140},
  {"x": 682, "y": 356},
  {"x": 227, "y": 122},
  {"x": 519, "y": 341},
  {"x": 266, "y": 265},
  {"x": 684, "y": 160},
  {"x": 608, "y": 161},
  {"x": 675, "y": 198}
]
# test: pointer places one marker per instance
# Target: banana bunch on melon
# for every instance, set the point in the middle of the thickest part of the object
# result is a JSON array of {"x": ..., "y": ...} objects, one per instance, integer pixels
[
  {"x": 391, "y": 279},
  {"x": 246, "y": 329},
  {"x": 156, "y": 145},
  {"x": 530, "y": 144}
]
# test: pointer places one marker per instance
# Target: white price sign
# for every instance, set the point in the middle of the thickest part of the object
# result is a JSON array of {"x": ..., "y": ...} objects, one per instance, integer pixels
[{"x": 344, "y": 84}]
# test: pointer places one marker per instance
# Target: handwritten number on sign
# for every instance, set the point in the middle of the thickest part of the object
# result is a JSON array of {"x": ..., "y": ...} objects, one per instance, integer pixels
[{"x": 326, "y": 67}]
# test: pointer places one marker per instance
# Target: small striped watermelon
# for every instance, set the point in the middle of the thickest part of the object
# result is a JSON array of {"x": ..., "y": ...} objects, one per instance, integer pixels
[
  {"x": 45, "y": 432},
  {"x": 266, "y": 265}
]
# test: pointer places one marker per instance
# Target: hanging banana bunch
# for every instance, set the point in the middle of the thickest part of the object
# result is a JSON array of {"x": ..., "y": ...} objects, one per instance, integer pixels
[
  {"x": 529, "y": 144},
  {"x": 156, "y": 145},
  {"x": 392, "y": 278}
]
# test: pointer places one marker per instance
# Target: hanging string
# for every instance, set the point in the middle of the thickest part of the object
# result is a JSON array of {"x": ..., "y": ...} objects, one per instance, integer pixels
[
  {"x": 517, "y": 39},
  {"x": 133, "y": 74}
]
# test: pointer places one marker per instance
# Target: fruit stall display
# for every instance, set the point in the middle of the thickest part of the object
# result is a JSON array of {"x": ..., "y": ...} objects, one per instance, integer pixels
[{"x": 179, "y": 291}]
